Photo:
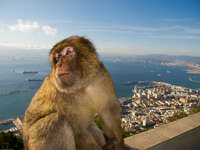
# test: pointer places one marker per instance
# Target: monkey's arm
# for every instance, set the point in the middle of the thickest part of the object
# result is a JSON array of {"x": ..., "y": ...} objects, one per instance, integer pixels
[
  {"x": 109, "y": 110},
  {"x": 49, "y": 133},
  {"x": 43, "y": 129},
  {"x": 110, "y": 117},
  {"x": 41, "y": 104}
]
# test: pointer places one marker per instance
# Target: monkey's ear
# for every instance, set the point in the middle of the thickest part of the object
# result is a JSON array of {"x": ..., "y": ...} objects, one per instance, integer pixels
[
  {"x": 52, "y": 58},
  {"x": 86, "y": 38},
  {"x": 88, "y": 42}
]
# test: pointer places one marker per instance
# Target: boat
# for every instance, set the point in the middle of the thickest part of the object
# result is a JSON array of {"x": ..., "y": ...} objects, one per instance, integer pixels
[{"x": 158, "y": 75}]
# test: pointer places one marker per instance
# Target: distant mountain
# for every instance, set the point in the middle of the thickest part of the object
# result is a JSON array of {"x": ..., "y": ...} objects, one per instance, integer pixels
[{"x": 154, "y": 58}]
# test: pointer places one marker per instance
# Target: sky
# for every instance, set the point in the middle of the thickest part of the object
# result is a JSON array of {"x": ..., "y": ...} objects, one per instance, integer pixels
[{"x": 114, "y": 26}]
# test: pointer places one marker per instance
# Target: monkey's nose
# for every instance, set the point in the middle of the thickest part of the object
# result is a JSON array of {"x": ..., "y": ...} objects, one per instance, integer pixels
[{"x": 59, "y": 64}]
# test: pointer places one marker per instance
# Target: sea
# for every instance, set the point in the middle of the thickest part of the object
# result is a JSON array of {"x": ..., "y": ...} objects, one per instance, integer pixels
[{"x": 17, "y": 87}]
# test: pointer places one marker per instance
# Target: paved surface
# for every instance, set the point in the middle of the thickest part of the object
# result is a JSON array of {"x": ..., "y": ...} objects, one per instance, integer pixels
[
  {"x": 165, "y": 134},
  {"x": 187, "y": 141}
]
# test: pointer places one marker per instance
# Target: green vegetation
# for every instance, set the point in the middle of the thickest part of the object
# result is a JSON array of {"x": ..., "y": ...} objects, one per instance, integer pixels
[
  {"x": 125, "y": 133},
  {"x": 10, "y": 141},
  {"x": 182, "y": 114},
  {"x": 98, "y": 122},
  {"x": 195, "y": 109},
  {"x": 176, "y": 116},
  {"x": 128, "y": 133}
]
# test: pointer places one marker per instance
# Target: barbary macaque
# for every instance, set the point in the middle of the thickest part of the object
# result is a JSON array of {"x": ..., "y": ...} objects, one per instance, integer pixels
[{"x": 78, "y": 88}]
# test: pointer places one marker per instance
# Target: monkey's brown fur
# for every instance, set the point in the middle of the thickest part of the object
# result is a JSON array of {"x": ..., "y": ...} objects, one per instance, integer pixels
[{"x": 60, "y": 116}]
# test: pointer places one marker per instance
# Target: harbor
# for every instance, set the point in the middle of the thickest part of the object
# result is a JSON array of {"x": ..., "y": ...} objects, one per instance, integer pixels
[
  {"x": 4, "y": 122},
  {"x": 13, "y": 125}
]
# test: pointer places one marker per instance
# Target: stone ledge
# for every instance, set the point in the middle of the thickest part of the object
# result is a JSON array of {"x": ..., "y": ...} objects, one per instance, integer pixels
[{"x": 163, "y": 133}]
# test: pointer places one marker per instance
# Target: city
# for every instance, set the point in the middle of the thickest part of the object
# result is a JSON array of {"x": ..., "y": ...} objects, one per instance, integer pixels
[{"x": 153, "y": 104}]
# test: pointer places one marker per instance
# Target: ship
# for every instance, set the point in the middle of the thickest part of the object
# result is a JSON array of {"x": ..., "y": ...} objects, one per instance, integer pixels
[
  {"x": 30, "y": 72},
  {"x": 194, "y": 81},
  {"x": 129, "y": 83},
  {"x": 35, "y": 80},
  {"x": 135, "y": 82}
]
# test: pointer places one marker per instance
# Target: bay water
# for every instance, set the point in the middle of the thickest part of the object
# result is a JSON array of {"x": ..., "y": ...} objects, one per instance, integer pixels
[{"x": 17, "y": 88}]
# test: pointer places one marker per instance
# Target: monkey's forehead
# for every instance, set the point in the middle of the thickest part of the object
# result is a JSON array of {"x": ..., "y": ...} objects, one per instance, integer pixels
[
  {"x": 59, "y": 47},
  {"x": 67, "y": 42},
  {"x": 74, "y": 41}
]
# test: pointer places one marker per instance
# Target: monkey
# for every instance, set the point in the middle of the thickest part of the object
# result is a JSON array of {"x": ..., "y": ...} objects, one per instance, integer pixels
[{"x": 78, "y": 88}]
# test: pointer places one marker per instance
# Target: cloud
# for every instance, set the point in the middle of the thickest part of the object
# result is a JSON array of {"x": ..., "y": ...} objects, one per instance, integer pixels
[
  {"x": 143, "y": 29},
  {"x": 165, "y": 32},
  {"x": 121, "y": 29},
  {"x": 173, "y": 37},
  {"x": 24, "y": 46},
  {"x": 24, "y": 26},
  {"x": 192, "y": 30},
  {"x": 2, "y": 27},
  {"x": 177, "y": 19},
  {"x": 49, "y": 30},
  {"x": 133, "y": 29},
  {"x": 59, "y": 21}
]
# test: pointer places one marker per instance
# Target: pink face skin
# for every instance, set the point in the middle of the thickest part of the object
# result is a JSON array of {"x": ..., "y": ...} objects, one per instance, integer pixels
[
  {"x": 65, "y": 64},
  {"x": 69, "y": 51}
]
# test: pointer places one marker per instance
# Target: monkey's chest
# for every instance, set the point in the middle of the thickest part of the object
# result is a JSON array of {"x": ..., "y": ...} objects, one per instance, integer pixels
[{"x": 77, "y": 109}]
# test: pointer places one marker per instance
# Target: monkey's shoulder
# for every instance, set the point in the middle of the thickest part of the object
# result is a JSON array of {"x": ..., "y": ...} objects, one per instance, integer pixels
[
  {"x": 46, "y": 93},
  {"x": 42, "y": 102},
  {"x": 102, "y": 67},
  {"x": 101, "y": 90}
]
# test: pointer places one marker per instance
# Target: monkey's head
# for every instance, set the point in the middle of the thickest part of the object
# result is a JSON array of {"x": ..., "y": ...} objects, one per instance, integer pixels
[{"x": 74, "y": 60}]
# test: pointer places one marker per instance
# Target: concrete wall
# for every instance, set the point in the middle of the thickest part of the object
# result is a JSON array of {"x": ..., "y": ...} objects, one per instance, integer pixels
[{"x": 166, "y": 132}]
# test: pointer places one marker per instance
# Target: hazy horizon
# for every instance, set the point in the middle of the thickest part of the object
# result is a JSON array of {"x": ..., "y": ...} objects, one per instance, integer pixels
[{"x": 7, "y": 50}]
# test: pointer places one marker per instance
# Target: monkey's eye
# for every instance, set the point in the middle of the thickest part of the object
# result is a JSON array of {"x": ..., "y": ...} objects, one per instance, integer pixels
[
  {"x": 67, "y": 51},
  {"x": 56, "y": 56}
]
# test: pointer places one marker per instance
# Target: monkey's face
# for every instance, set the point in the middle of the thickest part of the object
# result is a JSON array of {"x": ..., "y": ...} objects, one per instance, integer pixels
[
  {"x": 66, "y": 67},
  {"x": 74, "y": 63}
]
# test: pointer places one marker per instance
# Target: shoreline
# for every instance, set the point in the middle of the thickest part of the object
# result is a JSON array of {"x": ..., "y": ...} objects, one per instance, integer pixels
[
  {"x": 193, "y": 68},
  {"x": 193, "y": 71},
  {"x": 194, "y": 81}
]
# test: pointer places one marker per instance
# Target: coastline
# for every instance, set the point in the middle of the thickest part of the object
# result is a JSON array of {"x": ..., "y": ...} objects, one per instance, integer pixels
[
  {"x": 194, "y": 81},
  {"x": 193, "y": 71},
  {"x": 16, "y": 103},
  {"x": 193, "y": 68}
]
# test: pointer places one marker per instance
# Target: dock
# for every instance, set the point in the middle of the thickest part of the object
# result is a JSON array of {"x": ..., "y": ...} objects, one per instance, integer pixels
[
  {"x": 17, "y": 122},
  {"x": 6, "y": 121}
]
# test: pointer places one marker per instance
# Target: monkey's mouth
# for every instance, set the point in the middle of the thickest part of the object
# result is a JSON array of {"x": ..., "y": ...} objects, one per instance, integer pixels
[
  {"x": 66, "y": 78},
  {"x": 64, "y": 74}
]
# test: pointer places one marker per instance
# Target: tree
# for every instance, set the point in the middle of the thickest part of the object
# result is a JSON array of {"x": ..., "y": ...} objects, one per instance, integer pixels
[
  {"x": 10, "y": 141},
  {"x": 176, "y": 116}
]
